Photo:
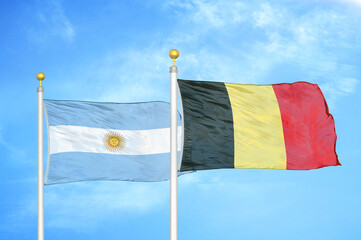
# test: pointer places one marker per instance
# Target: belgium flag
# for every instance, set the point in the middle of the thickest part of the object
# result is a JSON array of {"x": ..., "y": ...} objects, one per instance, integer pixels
[{"x": 282, "y": 126}]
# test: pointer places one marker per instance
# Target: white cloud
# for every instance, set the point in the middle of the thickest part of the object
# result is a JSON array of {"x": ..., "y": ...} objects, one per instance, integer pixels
[
  {"x": 356, "y": 3},
  {"x": 82, "y": 206},
  {"x": 211, "y": 13},
  {"x": 13, "y": 150},
  {"x": 307, "y": 41},
  {"x": 135, "y": 75},
  {"x": 314, "y": 44},
  {"x": 96, "y": 201},
  {"x": 338, "y": 87},
  {"x": 52, "y": 22},
  {"x": 267, "y": 16},
  {"x": 348, "y": 85}
]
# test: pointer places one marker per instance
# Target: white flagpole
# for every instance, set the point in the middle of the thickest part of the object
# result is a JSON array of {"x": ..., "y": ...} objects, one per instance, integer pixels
[
  {"x": 40, "y": 76},
  {"x": 173, "y": 148}
]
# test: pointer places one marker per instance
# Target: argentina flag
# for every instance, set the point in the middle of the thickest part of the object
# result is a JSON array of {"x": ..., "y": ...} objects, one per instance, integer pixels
[{"x": 108, "y": 141}]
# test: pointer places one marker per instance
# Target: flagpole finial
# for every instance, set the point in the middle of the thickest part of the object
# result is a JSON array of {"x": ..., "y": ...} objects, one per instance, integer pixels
[
  {"x": 40, "y": 76},
  {"x": 173, "y": 54}
]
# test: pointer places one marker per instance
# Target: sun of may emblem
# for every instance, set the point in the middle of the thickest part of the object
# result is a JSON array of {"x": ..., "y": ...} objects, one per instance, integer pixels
[{"x": 114, "y": 141}]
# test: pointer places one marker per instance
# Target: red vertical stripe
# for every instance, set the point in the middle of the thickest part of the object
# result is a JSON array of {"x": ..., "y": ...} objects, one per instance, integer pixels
[{"x": 308, "y": 127}]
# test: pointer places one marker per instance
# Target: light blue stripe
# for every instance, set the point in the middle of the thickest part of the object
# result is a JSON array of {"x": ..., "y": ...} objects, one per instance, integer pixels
[
  {"x": 77, "y": 166},
  {"x": 122, "y": 116}
]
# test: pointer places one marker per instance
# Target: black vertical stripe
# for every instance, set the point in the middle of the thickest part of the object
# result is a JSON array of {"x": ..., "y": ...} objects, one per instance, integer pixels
[{"x": 208, "y": 126}]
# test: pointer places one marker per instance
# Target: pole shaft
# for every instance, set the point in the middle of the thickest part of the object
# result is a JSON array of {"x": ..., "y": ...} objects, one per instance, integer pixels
[
  {"x": 173, "y": 153},
  {"x": 40, "y": 165}
]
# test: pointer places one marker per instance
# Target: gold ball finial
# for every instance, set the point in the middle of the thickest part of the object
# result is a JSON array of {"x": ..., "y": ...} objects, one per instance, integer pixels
[
  {"x": 40, "y": 76},
  {"x": 173, "y": 54}
]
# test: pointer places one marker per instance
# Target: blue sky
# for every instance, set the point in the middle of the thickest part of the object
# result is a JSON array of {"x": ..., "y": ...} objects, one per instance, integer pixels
[{"x": 118, "y": 51}]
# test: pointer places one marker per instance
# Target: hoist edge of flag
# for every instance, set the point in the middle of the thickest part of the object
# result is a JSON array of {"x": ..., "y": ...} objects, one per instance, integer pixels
[{"x": 208, "y": 126}]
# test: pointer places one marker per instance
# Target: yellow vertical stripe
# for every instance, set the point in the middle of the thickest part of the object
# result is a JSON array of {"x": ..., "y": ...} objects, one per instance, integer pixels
[{"x": 258, "y": 132}]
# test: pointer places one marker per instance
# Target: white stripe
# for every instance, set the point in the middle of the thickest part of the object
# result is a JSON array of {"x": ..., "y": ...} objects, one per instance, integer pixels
[{"x": 65, "y": 138}]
